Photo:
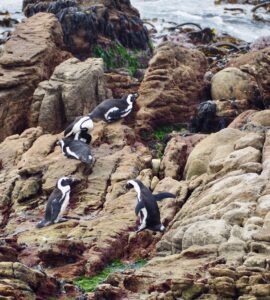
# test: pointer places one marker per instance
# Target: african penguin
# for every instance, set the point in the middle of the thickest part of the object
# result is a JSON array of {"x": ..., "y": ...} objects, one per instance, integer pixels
[
  {"x": 57, "y": 202},
  {"x": 76, "y": 149},
  {"x": 79, "y": 129},
  {"x": 111, "y": 110},
  {"x": 147, "y": 207}
]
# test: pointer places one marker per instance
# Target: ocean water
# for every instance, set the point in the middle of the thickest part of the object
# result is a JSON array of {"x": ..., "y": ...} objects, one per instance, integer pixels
[
  {"x": 14, "y": 7},
  {"x": 204, "y": 12}
]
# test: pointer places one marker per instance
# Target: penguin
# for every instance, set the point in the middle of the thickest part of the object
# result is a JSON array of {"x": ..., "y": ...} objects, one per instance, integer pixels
[
  {"x": 79, "y": 129},
  {"x": 57, "y": 202},
  {"x": 76, "y": 149},
  {"x": 147, "y": 206},
  {"x": 112, "y": 110}
]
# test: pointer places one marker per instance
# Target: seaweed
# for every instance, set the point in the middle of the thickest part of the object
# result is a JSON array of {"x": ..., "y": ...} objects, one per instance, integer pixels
[
  {"x": 90, "y": 284},
  {"x": 117, "y": 56}
]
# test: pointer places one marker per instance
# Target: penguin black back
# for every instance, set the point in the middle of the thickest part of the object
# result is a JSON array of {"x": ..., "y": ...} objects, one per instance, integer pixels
[
  {"x": 76, "y": 149},
  {"x": 111, "y": 110}
]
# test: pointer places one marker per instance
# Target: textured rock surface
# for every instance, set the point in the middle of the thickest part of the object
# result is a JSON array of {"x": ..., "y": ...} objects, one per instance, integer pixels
[
  {"x": 172, "y": 87},
  {"x": 74, "y": 89},
  {"x": 217, "y": 245},
  {"x": 257, "y": 64},
  {"x": 29, "y": 57},
  {"x": 101, "y": 212},
  {"x": 86, "y": 23},
  {"x": 21, "y": 282},
  {"x": 232, "y": 83},
  {"x": 176, "y": 154}
]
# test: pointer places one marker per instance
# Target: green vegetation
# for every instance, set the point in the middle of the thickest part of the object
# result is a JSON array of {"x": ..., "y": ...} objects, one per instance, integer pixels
[
  {"x": 117, "y": 56},
  {"x": 159, "y": 136},
  {"x": 90, "y": 284},
  {"x": 161, "y": 132}
]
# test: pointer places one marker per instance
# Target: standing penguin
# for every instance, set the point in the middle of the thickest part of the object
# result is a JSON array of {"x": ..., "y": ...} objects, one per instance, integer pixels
[
  {"x": 79, "y": 129},
  {"x": 58, "y": 202},
  {"x": 112, "y": 110},
  {"x": 76, "y": 149},
  {"x": 147, "y": 206}
]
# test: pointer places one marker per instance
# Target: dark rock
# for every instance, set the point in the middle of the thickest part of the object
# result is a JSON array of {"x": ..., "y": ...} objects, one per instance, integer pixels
[{"x": 87, "y": 23}]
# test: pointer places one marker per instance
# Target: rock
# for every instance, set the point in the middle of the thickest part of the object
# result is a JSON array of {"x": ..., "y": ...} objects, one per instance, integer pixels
[
  {"x": 21, "y": 282},
  {"x": 176, "y": 154},
  {"x": 242, "y": 119},
  {"x": 219, "y": 144},
  {"x": 88, "y": 23},
  {"x": 232, "y": 83},
  {"x": 74, "y": 89},
  {"x": 121, "y": 84},
  {"x": 32, "y": 163},
  {"x": 155, "y": 166},
  {"x": 166, "y": 93},
  {"x": 256, "y": 64},
  {"x": 205, "y": 233},
  {"x": 250, "y": 140},
  {"x": 260, "y": 43},
  {"x": 29, "y": 57}
]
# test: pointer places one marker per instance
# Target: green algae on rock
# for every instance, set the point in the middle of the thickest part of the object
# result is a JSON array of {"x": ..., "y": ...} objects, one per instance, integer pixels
[{"x": 90, "y": 284}]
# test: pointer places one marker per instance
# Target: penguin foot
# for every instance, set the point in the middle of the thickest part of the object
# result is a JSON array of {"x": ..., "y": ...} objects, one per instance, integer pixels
[{"x": 62, "y": 220}]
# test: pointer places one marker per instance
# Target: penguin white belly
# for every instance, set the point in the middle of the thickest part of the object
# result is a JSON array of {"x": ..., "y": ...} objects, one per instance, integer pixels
[
  {"x": 143, "y": 215},
  {"x": 63, "y": 207}
]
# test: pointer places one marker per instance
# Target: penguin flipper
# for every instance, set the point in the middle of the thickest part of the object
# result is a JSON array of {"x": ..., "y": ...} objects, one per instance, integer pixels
[
  {"x": 113, "y": 114},
  {"x": 55, "y": 210},
  {"x": 164, "y": 195},
  {"x": 138, "y": 207},
  {"x": 68, "y": 130}
]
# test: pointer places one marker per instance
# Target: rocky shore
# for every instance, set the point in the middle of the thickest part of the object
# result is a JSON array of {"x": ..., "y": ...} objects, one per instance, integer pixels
[{"x": 199, "y": 130}]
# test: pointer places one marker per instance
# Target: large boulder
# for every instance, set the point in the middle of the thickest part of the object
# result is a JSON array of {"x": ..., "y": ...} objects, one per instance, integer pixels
[
  {"x": 232, "y": 83},
  {"x": 29, "y": 56},
  {"x": 172, "y": 87},
  {"x": 21, "y": 282},
  {"x": 101, "y": 211},
  {"x": 257, "y": 65},
  {"x": 74, "y": 89},
  {"x": 87, "y": 23},
  {"x": 176, "y": 153}
]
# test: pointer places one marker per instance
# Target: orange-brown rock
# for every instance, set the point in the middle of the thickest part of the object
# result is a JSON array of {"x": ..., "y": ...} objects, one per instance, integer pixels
[
  {"x": 29, "y": 56},
  {"x": 172, "y": 87},
  {"x": 256, "y": 64}
]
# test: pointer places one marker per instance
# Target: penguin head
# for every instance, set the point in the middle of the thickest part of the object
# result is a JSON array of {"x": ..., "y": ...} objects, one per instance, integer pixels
[
  {"x": 61, "y": 143},
  {"x": 131, "y": 98},
  {"x": 66, "y": 181},
  {"x": 136, "y": 184}
]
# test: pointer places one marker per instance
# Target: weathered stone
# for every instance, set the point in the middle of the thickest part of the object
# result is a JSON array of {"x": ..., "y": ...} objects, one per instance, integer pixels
[
  {"x": 205, "y": 233},
  {"x": 256, "y": 64},
  {"x": 87, "y": 23},
  {"x": 166, "y": 93},
  {"x": 232, "y": 83},
  {"x": 74, "y": 89},
  {"x": 176, "y": 154},
  {"x": 29, "y": 57}
]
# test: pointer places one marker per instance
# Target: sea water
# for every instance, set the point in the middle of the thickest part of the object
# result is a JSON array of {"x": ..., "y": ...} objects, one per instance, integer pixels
[{"x": 204, "y": 12}]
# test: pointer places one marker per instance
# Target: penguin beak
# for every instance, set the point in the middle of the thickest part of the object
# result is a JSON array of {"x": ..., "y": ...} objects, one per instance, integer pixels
[
  {"x": 135, "y": 96},
  {"x": 74, "y": 180}
]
